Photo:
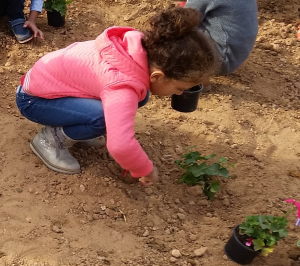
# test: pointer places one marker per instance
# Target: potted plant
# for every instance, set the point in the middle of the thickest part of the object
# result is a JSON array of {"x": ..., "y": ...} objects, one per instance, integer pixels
[
  {"x": 200, "y": 173},
  {"x": 56, "y": 11},
  {"x": 258, "y": 234},
  {"x": 188, "y": 100}
]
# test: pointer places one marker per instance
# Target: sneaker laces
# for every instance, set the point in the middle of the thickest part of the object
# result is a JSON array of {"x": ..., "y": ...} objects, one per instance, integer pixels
[{"x": 59, "y": 140}]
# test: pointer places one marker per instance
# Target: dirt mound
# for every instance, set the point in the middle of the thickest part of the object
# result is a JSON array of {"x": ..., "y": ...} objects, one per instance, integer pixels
[{"x": 252, "y": 117}]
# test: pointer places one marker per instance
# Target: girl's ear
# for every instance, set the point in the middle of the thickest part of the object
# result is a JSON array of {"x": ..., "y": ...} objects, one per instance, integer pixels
[{"x": 156, "y": 76}]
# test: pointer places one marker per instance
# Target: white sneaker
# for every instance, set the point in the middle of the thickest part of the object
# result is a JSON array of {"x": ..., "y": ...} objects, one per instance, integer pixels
[
  {"x": 51, "y": 146},
  {"x": 96, "y": 142}
]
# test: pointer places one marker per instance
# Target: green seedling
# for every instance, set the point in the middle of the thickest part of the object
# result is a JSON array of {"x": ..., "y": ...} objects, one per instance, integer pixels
[
  {"x": 198, "y": 172},
  {"x": 263, "y": 232},
  {"x": 58, "y": 5}
]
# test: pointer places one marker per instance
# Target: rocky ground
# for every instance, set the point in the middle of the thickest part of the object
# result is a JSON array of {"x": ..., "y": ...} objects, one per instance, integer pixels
[{"x": 252, "y": 117}]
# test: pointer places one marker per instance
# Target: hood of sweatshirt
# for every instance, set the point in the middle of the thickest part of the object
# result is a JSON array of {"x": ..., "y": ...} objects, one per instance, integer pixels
[{"x": 122, "y": 48}]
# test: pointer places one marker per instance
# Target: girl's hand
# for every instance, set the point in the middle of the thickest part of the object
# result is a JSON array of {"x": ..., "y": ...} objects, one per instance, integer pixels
[{"x": 150, "y": 179}]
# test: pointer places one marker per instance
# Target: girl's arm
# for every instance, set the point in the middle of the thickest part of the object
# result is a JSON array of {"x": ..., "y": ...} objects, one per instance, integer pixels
[{"x": 120, "y": 107}]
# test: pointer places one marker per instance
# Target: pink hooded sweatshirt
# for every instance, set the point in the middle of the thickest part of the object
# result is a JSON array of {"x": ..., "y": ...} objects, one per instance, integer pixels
[{"x": 112, "y": 68}]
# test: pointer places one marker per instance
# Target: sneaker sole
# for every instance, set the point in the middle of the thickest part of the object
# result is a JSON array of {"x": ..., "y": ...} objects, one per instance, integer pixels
[
  {"x": 26, "y": 40},
  {"x": 50, "y": 165}
]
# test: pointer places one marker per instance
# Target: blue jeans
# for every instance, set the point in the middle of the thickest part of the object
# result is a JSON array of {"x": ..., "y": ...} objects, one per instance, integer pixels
[
  {"x": 12, "y": 8},
  {"x": 81, "y": 118}
]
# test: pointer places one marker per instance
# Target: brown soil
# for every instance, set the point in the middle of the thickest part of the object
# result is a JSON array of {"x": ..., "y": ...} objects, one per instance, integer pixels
[{"x": 95, "y": 218}]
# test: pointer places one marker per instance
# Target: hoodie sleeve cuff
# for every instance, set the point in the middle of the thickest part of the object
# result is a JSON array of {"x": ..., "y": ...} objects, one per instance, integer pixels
[{"x": 143, "y": 171}]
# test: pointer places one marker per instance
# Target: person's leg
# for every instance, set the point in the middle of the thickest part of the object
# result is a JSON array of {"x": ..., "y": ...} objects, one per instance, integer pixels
[
  {"x": 80, "y": 118},
  {"x": 15, "y": 9},
  {"x": 16, "y": 20},
  {"x": 3, "y": 7},
  {"x": 68, "y": 121}
]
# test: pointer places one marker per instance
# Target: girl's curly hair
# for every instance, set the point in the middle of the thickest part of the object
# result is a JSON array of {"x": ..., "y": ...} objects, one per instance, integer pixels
[{"x": 175, "y": 45}]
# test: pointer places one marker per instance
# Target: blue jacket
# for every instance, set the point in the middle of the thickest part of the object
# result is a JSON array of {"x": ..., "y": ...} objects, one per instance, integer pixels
[{"x": 233, "y": 26}]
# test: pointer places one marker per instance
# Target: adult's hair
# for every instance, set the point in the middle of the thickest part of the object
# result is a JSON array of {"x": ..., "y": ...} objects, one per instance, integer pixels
[{"x": 176, "y": 46}]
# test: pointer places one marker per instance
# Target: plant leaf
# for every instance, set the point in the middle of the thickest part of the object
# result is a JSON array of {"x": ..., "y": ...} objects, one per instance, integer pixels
[
  {"x": 223, "y": 160},
  {"x": 246, "y": 229},
  {"x": 178, "y": 162},
  {"x": 270, "y": 240},
  {"x": 210, "y": 195},
  {"x": 265, "y": 251},
  {"x": 188, "y": 178},
  {"x": 283, "y": 232},
  {"x": 213, "y": 169},
  {"x": 258, "y": 244},
  {"x": 197, "y": 170},
  {"x": 224, "y": 172},
  {"x": 261, "y": 220},
  {"x": 209, "y": 156},
  {"x": 192, "y": 157},
  {"x": 215, "y": 186}
]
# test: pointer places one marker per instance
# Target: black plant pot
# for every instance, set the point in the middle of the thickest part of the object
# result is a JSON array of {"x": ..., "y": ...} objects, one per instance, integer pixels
[
  {"x": 188, "y": 101},
  {"x": 55, "y": 19},
  {"x": 238, "y": 251}
]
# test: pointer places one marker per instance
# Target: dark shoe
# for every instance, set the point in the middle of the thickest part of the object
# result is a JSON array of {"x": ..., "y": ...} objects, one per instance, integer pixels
[{"x": 22, "y": 34}]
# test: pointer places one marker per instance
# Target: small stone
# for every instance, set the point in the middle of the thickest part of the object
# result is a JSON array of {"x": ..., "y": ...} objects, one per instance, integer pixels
[
  {"x": 57, "y": 229},
  {"x": 290, "y": 41},
  {"x": 179, "y": 150},
  {"x": 223, "y": 129},
  {"x": 226, "y": 202},
  {"x": 172, "y": 259},
  {"x": 146, "y": 233},
  {"x": 176, "y": 253},
  {"x": 148, "y": 133},
  {"x": 82, "y": 188},
  {"x": 19, "y": 190},
  {"x": 193, "y": 237},
  {"x": 28, "y": 219},
  {"x": 112, "y": 202},
  {"x": 195, "y": 190},
  {"x": 227, "y": 141},
  {"x": 181, "y": 216},
  {"x": 30, "y": 190},
  {"x": 7, "y": 64},
  {"x": 148, "y": 190},
  {"x": 200, "y": 251},
  {"x": 96, "y": 216},
  {"x": 292, "y": 227},
  {"x": 225, "y": 257},
  {"x": 111, "y": 213},
  {"x": 202, "y": 203}
]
